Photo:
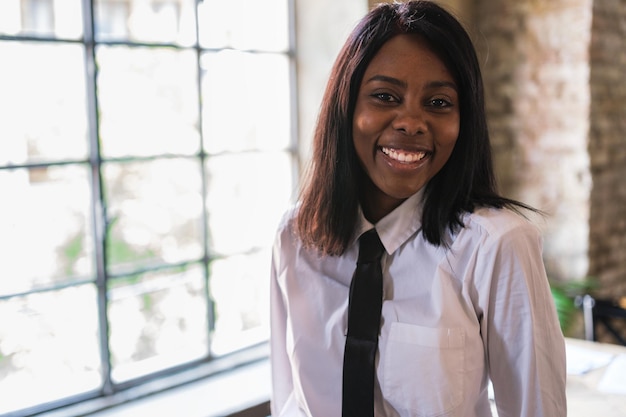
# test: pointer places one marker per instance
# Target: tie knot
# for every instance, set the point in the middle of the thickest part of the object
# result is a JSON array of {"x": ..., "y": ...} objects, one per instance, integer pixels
[{"x": 370, "y": 247}]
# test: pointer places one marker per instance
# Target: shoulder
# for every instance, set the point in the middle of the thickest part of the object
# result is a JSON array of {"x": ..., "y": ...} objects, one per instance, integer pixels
[
  {"x": 289, "y": 216},
  {"x": 287, "y": 224},
  {"x": 285, "y": 241},
  {"x": 498, "y": 222},
  {"x": 499, "y": 243},
  {"x": 290, "y": 253},
  {"x": 499, "y": 226}
]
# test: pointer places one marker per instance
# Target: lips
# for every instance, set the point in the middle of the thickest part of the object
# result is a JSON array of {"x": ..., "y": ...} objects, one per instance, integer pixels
[{"x": 404, "y": 156}]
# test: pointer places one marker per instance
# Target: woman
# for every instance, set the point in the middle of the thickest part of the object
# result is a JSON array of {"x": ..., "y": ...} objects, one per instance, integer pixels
[{"x": 402, "y": 147}]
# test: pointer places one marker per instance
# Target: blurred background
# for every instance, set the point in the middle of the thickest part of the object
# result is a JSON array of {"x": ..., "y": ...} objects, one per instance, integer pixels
[{"x": 148, "y": 149}]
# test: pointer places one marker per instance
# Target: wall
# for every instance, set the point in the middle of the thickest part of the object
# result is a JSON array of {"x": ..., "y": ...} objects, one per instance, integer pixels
[
  {"x": 607, "y": 146},
  {"x": 536, "y": 70},
  {"x": 557, "y": 105}
]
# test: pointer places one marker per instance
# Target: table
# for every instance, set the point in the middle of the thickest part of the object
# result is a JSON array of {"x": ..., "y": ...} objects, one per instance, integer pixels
[{"x": 585, "y": 394}]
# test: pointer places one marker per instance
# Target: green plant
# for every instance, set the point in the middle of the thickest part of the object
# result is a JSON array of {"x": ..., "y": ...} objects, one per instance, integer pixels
[
  {"x": 72, "y": 251},
  {"x": 564, "y": 294}
]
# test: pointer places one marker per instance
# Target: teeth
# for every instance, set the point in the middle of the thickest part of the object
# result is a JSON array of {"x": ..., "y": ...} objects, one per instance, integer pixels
[{"x": 403, "y": 156}]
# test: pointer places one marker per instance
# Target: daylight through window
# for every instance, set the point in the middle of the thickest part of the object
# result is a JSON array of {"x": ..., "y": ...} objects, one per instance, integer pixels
[{"x": 146, "y": 156}]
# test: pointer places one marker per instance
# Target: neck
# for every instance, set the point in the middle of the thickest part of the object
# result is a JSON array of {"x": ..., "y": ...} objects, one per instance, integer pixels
[{"x": 375, "y": 204}]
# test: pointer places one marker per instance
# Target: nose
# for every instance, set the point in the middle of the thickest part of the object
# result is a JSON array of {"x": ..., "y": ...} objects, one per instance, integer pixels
[{"x": 410, "y": 121}]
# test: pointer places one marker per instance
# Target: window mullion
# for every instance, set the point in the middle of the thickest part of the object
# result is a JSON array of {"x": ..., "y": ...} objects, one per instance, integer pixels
[
  {"x": 295, "y": 144},
  {"x": 207, "y": 256},
  {"x": 99, "y": 214}
]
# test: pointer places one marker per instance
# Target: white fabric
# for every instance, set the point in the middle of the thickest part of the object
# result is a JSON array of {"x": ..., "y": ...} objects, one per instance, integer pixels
[{"x": 451, "y": 320}]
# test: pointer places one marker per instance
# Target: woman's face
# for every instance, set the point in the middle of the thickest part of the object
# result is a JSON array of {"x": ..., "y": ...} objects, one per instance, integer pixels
[{"x": 406, "y": 122}]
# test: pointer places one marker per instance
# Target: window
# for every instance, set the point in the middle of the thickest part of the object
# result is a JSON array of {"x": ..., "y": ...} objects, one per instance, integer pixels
[{"x": 146, "y": 155}]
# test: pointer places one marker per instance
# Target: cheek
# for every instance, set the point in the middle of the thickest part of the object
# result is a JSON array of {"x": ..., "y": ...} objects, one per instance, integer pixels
[
  {"x": 451, "y": 139},
  {"x": 446, "y": 142},
  {"x": 363, "y": 136},
  {"x": 361, "y": 126},
  {"x": 449, "y": 135},
  {"x": 366, "y": 122}
]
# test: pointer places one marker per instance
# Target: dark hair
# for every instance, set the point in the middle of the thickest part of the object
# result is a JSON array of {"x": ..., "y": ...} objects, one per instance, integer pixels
[{"x": 327, "y": 215}]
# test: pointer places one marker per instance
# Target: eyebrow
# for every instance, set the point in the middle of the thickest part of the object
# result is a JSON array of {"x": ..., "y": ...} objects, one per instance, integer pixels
[
  {"x": 400, "y": 83},
  {"x": 387, "y": 79}
]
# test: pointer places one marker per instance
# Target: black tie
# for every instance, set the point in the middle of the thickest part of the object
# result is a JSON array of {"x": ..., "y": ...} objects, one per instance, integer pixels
[{"x": 365, "y": 303}]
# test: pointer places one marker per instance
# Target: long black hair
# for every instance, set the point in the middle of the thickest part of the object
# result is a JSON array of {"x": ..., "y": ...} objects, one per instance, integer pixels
[{"x": 329, "y": 201}]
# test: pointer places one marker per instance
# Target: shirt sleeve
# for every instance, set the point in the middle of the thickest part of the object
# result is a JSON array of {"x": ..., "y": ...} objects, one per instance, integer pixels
[
  {"x": 282, "y": 385},
  {"x": 524, "y": 342}
]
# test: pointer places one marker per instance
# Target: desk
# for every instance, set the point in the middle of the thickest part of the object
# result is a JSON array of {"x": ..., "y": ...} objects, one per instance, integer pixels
[
  {"x": 584, "y": 399},
  {"x": 218, "y": 396}
]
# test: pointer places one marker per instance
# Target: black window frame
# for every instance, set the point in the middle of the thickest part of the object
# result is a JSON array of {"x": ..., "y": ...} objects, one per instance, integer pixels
[{"x": 190, "y": 371}]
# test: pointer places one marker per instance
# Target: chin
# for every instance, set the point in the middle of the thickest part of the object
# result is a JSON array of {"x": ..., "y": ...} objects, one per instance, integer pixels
[
  {"x": 402, "y": 195},
  {"x": 405, "y": 191}
]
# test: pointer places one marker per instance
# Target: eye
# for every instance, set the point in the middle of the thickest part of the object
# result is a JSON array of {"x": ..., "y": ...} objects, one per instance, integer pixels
[
  {"x": 439, "y": 103},
  {"x": 385, "y": 97}
]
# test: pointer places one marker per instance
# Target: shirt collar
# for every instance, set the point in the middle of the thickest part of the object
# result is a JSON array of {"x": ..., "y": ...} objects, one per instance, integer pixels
[{"x": 398, "y": 226}]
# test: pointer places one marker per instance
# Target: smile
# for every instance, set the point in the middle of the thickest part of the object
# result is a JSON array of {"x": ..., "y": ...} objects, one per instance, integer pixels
[{"x": 403, "y": 156}]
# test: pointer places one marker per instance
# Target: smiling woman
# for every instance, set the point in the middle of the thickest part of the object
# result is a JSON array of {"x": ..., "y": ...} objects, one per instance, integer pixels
[
  {"x": 405, "y": 124},
  {"x": 449, "y": 290}
]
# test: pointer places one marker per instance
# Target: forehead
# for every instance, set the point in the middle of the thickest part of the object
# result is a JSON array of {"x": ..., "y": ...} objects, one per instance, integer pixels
[{"x": 408, "y": 56}]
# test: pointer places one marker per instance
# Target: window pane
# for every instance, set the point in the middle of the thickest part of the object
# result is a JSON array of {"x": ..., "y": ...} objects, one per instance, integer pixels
[
  {"x": 42, "y": 104},
  {"x": 158, "y": 320},
  {"x": 49, "y": 18},
  {"x": 162, "y": 21},
  {"x": 245, "y": 24},
  {"x": 246, "y": 101},
  {"x": 155, "y": 210},
  {"x": 48, "y": 347},
  {"x": 45, "y": 227},
  {"x": 239, "y": 286},
  {"x": 148, "y": 101},
  {"x": 247, "y": 195}
]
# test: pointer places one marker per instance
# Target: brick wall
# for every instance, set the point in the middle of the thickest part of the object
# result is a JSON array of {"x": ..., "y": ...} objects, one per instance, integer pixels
[
  {"x": 555, "y": 76},
  {"x": 607, "y": 146},
  {"x": 536, "y": 69}
]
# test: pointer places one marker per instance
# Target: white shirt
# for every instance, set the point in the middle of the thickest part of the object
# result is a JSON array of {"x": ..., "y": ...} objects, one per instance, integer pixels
[{"x": 451, "y": 320}]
